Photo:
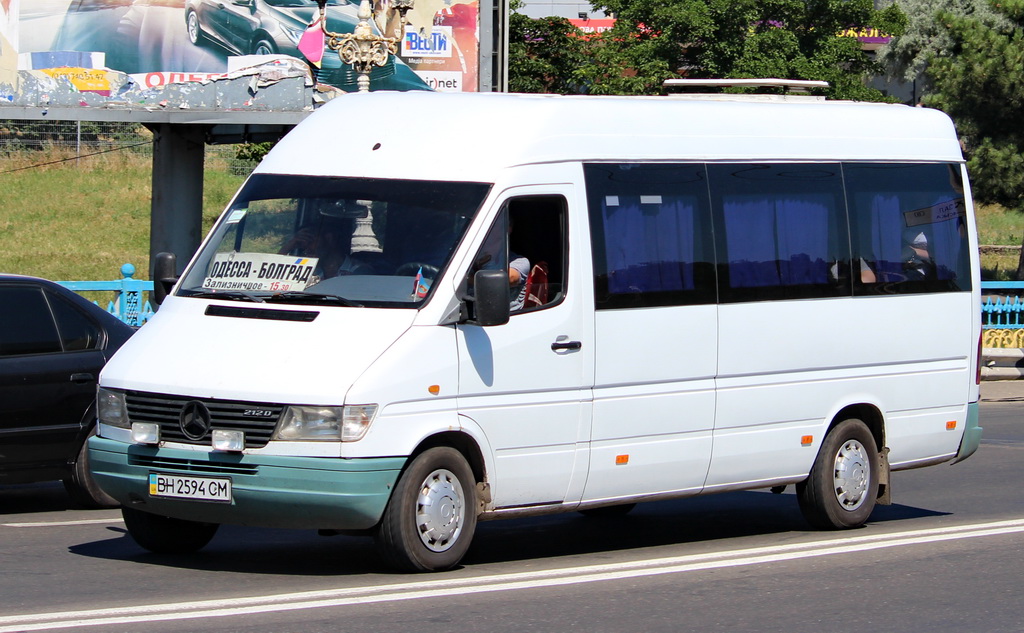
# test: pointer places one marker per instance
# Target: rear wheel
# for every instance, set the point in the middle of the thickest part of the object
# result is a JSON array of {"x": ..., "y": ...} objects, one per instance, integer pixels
[
  {"x": 843, "y": 485},
  {"x": 431, "y": 517},
  {"x": 164, "y": 535}
]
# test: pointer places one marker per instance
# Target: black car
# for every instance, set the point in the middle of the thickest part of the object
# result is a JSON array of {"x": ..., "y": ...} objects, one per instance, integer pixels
[
  {"x": 53, "y": 344},
  {"x": 267, "y": 27}
]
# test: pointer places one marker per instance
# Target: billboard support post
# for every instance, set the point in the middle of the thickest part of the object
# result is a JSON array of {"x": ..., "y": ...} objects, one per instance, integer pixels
[{"x": 176, "y": 212}]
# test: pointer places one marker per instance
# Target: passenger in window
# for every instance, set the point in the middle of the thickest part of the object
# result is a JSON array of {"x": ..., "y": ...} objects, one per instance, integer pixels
[
  {"x": 917, "y": 261},
  {"x": 518, "y": 271}
]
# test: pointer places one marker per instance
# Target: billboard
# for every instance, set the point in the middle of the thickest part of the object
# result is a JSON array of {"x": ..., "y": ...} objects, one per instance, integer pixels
[{"x": 182, "y": 40}]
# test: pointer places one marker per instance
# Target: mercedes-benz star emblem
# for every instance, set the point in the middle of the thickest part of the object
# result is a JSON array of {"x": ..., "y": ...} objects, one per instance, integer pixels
[{"x": 194, "y": 420}]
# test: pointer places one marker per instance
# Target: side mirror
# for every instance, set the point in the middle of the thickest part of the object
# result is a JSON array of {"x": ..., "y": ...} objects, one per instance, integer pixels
[
  {"x": 165, "y": 275},
  {"x": 492, "y": 294}
]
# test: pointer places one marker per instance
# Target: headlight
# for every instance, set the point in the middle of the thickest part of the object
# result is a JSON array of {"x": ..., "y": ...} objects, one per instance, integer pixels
[
  {"x": 347, "y": 424},
  {"x": 294, "y": 35},
  {"x": 111, "y": 409}
]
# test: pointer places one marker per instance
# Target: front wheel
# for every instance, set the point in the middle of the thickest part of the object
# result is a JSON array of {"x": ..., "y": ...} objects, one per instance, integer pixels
[
  {"x": 431, "y": 517},
  {"x": 264, "y": 46},
  {"x": 843, "y": 485},
  {"x": 164, "y": 535},
  {"x": 195, "y": 32}
]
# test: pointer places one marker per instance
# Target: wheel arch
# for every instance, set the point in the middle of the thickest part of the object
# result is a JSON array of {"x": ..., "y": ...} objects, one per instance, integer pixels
[
  {"x": 867, "y": 413},
  {"x": 461, "y": 442},
  {"x": 262, "y": 34}
]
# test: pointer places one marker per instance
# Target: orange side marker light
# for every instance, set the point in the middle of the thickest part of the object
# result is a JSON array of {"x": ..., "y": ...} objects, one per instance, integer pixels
[
  {"x": 621, "y": 460},
  {"x": 806, "y": 440},
  {"x": 951, "y": 425},
  {"x": 434, "y": 389}
]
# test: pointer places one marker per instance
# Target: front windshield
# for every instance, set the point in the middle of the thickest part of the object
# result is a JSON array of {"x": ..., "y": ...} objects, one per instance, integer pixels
[{"x": 347, "y": 241}]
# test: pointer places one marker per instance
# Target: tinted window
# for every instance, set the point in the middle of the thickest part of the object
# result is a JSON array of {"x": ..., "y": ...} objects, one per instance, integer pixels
[
  {"x": 26, "y": 326},
  {"x": 651, "y": 235},
  {"x": 909, "y": 226},
  {"x": 782, "y": 231},
  {"x": 77, "y": 331}
]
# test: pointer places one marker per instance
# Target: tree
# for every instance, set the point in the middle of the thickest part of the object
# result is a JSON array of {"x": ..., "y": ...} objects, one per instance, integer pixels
[
  {"x": 905, "y": 57},
  {"x": 980, "y": 84},
  {"x": 654, "y": 40},
  {"x": 545, "y": 54}
]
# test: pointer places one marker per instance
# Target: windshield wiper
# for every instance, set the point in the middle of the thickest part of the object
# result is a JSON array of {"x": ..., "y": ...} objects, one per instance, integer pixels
[
  {"x": 309, "y": 298},
  {"x": 227, "y": 296}
]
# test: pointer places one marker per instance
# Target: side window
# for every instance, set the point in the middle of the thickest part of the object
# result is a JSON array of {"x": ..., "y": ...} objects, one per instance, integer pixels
[
  {"x": 77, "y": 331},
  {"x": 781, "y": 230},
  {"x": 909, "y": 225},
  {"x": 26, "y": 326},
  {"x": 529, "y": 241},
  {"x": 651, "y": 235}
]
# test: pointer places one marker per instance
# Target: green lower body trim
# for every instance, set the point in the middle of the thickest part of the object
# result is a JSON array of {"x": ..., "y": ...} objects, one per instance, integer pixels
[{"x": 267, "y": 490}]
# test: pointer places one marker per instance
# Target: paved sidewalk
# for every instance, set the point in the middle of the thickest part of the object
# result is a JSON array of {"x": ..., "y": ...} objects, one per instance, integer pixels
[{"x": 1002, "y": 390}]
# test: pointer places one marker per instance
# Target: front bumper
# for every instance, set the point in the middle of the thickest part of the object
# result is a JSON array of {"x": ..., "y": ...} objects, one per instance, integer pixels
[{"x": 267, "y": 491}]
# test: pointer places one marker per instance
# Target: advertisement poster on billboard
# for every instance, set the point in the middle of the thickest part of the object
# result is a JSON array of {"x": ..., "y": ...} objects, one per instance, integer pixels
[{"x": 159, "y": 41}]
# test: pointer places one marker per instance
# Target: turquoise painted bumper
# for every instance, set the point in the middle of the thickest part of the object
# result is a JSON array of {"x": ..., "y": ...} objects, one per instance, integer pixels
[
  {"x": 267, "y": 491},
  {"x": 972, "y": 434}
]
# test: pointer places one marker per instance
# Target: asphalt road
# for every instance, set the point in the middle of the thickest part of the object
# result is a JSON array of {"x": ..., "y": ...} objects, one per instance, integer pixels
[{"x": 945, "y": 557}]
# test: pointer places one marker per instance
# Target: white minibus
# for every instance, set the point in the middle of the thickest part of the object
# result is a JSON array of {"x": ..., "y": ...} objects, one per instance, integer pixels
[{"x": 519, "y": 304}]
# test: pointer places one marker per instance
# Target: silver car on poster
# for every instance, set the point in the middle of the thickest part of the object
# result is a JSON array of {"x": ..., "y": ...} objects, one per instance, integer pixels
[{"x": 267, "y": 27}]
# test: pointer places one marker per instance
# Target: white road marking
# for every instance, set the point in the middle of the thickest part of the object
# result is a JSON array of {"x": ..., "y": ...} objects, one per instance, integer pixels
[
  {"x": 62, "y": 523},
  {"x": 498, "y": 582}
]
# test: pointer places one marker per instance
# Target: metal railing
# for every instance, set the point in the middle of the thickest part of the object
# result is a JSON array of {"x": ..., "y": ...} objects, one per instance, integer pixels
[
  {"x": 128, "y": 304},
  {"x": 1002, "y": 305}
]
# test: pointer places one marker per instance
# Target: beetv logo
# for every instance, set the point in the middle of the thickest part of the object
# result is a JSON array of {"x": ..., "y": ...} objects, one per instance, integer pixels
[{"x": 434, "y": 43}]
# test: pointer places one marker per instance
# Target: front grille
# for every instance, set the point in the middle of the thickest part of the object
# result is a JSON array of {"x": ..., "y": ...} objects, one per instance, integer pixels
[
  {"x": 192, "y": 466},
  {"x": 228, "y": 415}
]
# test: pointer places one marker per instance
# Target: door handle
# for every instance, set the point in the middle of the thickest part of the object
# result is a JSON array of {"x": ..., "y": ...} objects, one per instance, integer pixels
[
  {"x": 83, "y": 378},
  {"x": 562, "y": 344}
]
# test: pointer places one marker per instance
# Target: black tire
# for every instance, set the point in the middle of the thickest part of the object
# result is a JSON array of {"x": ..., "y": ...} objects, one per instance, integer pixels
[
  {"x": 263, "y": 46},
  {"x": 164, "y": 535},
  {"x": 82, "y": 487},
  {"x": 431, "y": 517},
  {"x": 841, "y": 490},
  {"x": 193, "y": 30},
  {"x": 608, "y": 512}
]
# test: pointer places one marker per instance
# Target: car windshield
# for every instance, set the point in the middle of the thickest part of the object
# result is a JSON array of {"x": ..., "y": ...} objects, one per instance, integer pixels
[{"x": 334, "y": 241}]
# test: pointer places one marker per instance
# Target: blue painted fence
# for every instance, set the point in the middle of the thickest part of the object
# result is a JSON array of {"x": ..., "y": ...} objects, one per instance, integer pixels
[
  {"x": 1001, "y": 306},
  {"x": 129, "y": 304}
]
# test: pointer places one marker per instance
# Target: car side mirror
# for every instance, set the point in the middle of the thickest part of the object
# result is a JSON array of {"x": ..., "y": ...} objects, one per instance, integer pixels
[
  {"x": 492, "y": 296},
  {"x": 165, "y": 275}
]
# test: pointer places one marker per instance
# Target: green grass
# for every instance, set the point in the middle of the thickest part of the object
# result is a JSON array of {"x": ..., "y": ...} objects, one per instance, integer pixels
[
  {"x": 999, "y": 226},
  {"x": 81, "y": 220}
]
